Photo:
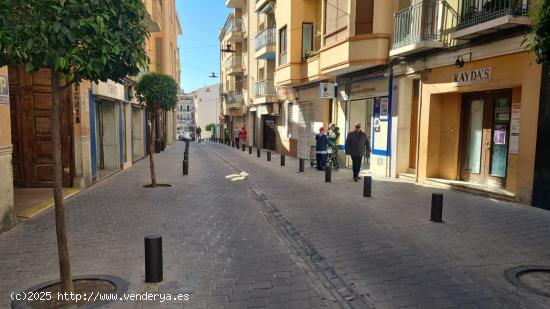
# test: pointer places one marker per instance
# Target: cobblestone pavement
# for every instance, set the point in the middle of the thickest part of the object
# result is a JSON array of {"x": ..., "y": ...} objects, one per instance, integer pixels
[
  {"x": 387, "y": 250},
  {"x": 218, "y": 243},
  {"x": 243, "y": 232}
]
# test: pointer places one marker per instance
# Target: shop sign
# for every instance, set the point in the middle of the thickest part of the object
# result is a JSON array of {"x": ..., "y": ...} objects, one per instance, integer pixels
[
  {"x": 109, "y": 89},
  {"x": 76, "y": 100},
  {"x": 370, "y": 89},
  {"x": 328, "y": 90},
  {"x": 4, "y": 89},
  {"x": 472, "y": 77},
  {"x": 514, "y": 128}
]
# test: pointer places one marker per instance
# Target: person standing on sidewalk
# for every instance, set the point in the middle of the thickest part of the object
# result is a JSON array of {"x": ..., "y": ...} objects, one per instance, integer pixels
[
  {"x": 243, "y": 135},
  {"x": 236, "y": 136},
  {"x": 357, "y": 145},
  {"x": 198, "y": 132},
  {"x": 321, "y": 144}
]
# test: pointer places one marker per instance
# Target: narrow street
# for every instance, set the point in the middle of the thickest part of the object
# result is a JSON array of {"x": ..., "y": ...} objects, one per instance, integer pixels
[{"x": 232, "y": 239}]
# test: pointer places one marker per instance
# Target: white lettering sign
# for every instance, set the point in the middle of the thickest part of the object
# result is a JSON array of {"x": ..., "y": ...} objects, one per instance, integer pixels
[{"x": 472, "y": 77}]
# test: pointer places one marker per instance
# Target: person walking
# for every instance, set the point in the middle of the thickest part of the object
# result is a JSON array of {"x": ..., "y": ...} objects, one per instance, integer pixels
[
  {"x": 321, "y": 144},
  {"x": 357, "y": 145},
  {"x": 198, "y": 132},
  {"x": 243, "y": 135},
  {"x": 236, "y": 136}
]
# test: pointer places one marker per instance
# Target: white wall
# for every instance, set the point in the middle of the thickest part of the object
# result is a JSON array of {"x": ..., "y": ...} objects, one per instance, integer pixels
[{"x": 207, "y": 105}]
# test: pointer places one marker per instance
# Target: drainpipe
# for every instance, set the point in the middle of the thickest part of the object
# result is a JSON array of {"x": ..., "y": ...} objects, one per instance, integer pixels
[{"x": 419, "y": 117}]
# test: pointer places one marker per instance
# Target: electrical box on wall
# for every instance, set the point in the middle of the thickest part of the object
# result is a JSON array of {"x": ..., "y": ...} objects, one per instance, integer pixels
[{"x": 328, "y": 90}]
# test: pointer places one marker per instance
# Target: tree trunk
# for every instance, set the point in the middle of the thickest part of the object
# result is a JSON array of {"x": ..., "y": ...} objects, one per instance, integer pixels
[
  {"x": 152, "y": 117},
  {"x": 60, "y": 226}
]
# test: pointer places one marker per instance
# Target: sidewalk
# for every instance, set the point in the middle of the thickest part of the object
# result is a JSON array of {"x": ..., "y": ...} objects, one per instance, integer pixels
[{"x": 387, "y": 249}]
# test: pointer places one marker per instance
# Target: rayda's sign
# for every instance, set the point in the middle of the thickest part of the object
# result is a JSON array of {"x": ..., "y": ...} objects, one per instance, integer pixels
[{"x": 472, "y": 77}]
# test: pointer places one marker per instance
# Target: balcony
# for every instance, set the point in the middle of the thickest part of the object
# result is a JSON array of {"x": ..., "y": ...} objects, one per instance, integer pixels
[
  {"x": 263, "y": 6},
  {"x": 234, "y": 65},
  {"x": 234, "y": 100},
  {"x": 233, "y": 29},
  {"x": 482, "y": 17},
  {"x": 265, "y": 92},
  {"x": 423, "y": 26},
  {"x": 236, "y": 4},
  {"x": 266, "y": 44}
]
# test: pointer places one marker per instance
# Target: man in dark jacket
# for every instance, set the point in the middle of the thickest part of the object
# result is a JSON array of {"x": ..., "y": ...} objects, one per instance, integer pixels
[
  {"x": 321, "y": 145},
  {"x": 357, "y": 145}
]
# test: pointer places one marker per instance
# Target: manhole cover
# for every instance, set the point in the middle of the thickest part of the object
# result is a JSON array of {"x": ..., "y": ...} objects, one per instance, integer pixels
[{"x": 535, "y": 279}]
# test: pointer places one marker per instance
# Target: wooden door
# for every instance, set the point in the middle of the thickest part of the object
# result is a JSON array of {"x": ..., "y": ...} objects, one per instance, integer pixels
[
  {"x": 31, "y": 108},
  {"x": 485, "y": 134},
  {"x": 414, "y": 124}
]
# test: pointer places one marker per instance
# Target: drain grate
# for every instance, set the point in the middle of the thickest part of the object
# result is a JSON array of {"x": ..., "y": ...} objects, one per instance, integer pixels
[{"x": 535, "y": 279}]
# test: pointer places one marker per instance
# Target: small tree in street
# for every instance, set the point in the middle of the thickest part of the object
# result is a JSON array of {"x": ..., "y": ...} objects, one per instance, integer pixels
[
  {"x": 76, "y": 40},
  {"x": 539, "y": 41},
  {"x": 158, "y": 92}
]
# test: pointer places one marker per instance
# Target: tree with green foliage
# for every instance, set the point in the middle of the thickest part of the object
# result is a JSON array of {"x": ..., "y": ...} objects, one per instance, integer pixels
[
  {"x": 158, "y": 92},
  {"x": 76, "y": 40},
  {"x": 539, "y": 40}
]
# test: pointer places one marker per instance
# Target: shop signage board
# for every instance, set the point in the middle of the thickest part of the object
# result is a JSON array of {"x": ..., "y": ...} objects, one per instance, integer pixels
[
  {"x": 4, "y": 89},
  {"x": 514, "y": 128},
  {"x": 328, "y": 90},
  {"x": 109, "y": 89},
  {"x": 472, "y": 77},
  {"x": 369, "y": 89}
]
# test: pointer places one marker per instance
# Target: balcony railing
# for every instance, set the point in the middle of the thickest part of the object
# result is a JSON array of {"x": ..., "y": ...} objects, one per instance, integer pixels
[
  {"x": 426, "y": 21},
  {"x": 234, "y": 99},
  {"x": 474, "y": 12},
  {"x": 233, "y": 24},
  {"x": 268, "y": 37},
  {"x": 234, "y": 63},
  {"x": 265, "y": 88}
]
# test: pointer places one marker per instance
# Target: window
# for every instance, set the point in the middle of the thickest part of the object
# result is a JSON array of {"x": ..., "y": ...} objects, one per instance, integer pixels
[
  {"x": 336, "y": 16},
  {"x": 364, "y": 15},
  {"x": 158, "y": 45},
  {"x": 307, "y": 39},
  {"x": 283, "y": 46},
  {"x": 187, "y": 107}
]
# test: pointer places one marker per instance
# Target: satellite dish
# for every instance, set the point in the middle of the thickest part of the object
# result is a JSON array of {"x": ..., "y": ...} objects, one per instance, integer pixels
[{"x": 213, "y": 75}]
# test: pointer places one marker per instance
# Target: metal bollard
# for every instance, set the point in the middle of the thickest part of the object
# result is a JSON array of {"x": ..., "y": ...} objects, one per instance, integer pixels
[
  {"x": 186, "y": 146},
  {"x": 269, "y": 156},
  {"x": 185, "y": 167},
  {"x": 367, "y": 186},
  {"x": 244, "y": 147},
  {"x": 249, "y": 149},
  {"x": 302, "y": 165},
  {"x": 232, "y": 143},
  {"x": 437, "y": 208},
  {"x": 153, "y": 259},
  {"x": 258, "y": 152},
  {"x": 186, "y": 156},
  {"x": 328, "y": 174},
  {"x": 283, "y": 160}
]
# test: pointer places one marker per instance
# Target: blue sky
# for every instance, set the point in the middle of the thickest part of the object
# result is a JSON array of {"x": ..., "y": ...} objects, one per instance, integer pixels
[{"x": 199, "y": 47}]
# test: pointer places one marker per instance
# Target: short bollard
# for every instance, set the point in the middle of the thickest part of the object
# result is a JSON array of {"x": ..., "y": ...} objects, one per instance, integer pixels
[
  {"x": 244, "y": 147},
  {"x": 283, "y": 159},
  {"x": 186, "y": 156},
  {"x": 258, "y": 152},
  {"x": 437, "y": 208},
  {"x": 249, "y": 149},
  {"x": 153, "y": 259},
  {"x": 232, "y": 143},
  {"x": 185, "y": 167},
  {"x": 302, "y": 165},
  {"x": 187, "y": 146},
  {"x": 269, "y": 156},
  {"x": 328, "y": 174},
  {"x": 367, "y": 186}
]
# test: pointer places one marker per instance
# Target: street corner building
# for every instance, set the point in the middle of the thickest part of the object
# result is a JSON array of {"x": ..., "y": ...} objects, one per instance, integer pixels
[
  {"x": 103, "y": 127},
  {"x": 445, "y": 90}
]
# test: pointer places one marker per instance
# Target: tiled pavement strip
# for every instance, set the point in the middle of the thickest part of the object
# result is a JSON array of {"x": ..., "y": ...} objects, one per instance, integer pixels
[{"x": 250, "y": 242}]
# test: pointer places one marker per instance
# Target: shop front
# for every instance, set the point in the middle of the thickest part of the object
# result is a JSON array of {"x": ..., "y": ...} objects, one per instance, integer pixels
[
  {"x": 367, "y": 103},
  {"x": 478, "y": 125}
]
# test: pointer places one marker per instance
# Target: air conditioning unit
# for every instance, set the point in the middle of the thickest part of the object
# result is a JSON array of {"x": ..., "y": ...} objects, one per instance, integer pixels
[{"x": 328, "y": 90}]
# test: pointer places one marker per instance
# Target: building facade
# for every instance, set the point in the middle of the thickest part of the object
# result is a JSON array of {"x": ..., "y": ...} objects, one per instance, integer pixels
[
  {"x": 103, "y": 127},
  {"x": 185, "y": 115},
  {"x": 207, "y": 105},
  {"x": 445, "y": 90}
]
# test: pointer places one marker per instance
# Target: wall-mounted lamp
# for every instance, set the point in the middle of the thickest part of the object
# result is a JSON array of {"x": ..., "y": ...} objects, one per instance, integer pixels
[{"x": 459, "y": 63}]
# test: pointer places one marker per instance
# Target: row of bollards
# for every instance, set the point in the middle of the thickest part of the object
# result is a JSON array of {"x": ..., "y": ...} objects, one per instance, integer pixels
[{"x": 437, "y": 198}]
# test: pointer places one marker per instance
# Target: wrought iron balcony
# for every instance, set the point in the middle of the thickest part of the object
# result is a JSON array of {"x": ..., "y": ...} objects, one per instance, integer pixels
[
  {"x": 265, "y": 88},
  {"x": 234, "y": 65},
  {"x": 480, "y": 17},
  {"x": 234, "y": 99},
  {"x": 423, "y": 26},
  {"x": 233, "y": 28},
  {"x": 265, "y": 44}
]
